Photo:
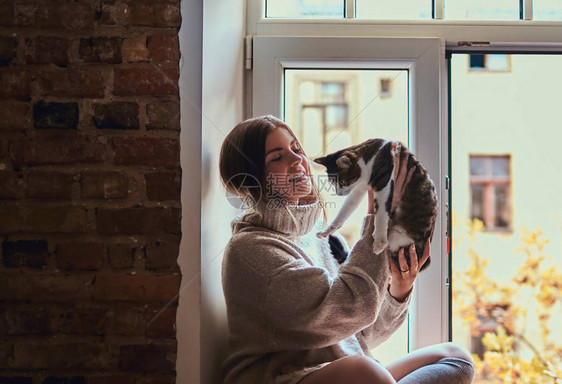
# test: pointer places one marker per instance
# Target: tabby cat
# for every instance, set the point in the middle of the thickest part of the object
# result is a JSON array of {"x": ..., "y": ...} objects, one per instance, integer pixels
[{"x": 370, "y": 164}]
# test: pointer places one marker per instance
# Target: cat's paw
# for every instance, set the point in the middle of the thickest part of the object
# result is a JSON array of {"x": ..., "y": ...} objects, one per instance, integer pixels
[
  {"x": 379, "y": 245},
  {"x": 328, "y": 231}
]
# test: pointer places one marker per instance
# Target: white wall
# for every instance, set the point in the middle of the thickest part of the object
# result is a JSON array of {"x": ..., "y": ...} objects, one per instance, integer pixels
[
  {"x": 223, "y": 71},
  {"x": 188, "y": 315},
  {"x": 211, "y": 91}
]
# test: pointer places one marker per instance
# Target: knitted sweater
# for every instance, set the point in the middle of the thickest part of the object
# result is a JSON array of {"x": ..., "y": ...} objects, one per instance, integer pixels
[{"x": 292, "y": 309}]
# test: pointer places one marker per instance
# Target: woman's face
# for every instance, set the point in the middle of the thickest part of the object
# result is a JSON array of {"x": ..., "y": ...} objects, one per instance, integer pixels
[{"x": 286, "y": 171}]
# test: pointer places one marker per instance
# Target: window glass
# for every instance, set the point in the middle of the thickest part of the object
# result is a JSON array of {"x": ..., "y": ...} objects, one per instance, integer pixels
[
  {"x": 393, "y": 9},
  {"x": 507, "y": 244},
  {"x": 547, "y": 10},
  {"x": 481, "y": 10},
  {"x": 304, "y": 8},
  {"x": 333, "y": 109}
]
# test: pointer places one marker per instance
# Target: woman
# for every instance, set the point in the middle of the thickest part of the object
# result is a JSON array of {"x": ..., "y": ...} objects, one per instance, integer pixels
[{"x": 295, "y": 315}]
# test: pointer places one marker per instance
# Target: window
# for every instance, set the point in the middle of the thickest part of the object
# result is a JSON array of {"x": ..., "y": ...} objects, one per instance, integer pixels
[
  {"x": 490, "y": 187},
  {"x": 461, "y": 10},
  {"x": 483, "y": 113},
  {"x": 305, "y": 8},
  {"x": 506, "y": 238},
  {"x": 490, "y": 62}
]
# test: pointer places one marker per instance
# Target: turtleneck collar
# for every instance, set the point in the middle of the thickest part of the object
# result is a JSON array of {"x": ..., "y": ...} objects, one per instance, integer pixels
[{"x": 293, "y": 220}]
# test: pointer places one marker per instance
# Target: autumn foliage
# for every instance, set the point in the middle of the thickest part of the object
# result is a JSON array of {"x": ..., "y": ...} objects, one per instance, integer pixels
[{"x": 513, "y": 323}]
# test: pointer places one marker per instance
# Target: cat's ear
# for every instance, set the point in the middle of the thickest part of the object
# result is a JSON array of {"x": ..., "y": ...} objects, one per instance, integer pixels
[
  {"x": 344, "y": 162},
  {"x": 322, "y": 160}
]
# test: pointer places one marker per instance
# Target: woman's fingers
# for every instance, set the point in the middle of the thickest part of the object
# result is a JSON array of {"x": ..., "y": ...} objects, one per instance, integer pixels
[
  {"x": 413, "y": 258},
  {"x": 402, "y": 261}
]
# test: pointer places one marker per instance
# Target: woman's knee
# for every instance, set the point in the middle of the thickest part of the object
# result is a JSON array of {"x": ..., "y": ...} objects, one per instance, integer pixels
[
  {"x": 456, "y": 351},
  {"x": 352, "y": 370},
  {"x": 367, "y": 370}
]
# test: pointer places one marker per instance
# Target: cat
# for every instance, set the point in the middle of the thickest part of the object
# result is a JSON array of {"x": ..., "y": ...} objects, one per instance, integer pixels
[{"x": 355, "y": 169}]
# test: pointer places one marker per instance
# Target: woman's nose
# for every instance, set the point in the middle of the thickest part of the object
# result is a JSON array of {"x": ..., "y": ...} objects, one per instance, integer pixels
[{"x": 296, "y": 159}]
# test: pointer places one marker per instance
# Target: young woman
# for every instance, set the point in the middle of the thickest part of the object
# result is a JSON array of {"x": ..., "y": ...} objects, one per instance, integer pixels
[{"x": 295, "y": 314}]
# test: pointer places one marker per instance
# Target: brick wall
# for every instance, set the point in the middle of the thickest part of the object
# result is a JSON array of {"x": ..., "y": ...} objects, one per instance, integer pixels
[{"x": 89, "y": 191}]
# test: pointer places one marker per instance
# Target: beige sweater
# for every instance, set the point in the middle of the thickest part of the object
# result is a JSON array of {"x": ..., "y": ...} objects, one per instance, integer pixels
[{"x": 291, "y": 307}]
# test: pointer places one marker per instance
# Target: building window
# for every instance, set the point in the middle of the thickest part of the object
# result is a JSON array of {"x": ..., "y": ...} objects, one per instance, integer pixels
[
  {"x": 490, "y": 189},
  {"x": 490, "y": 63}
]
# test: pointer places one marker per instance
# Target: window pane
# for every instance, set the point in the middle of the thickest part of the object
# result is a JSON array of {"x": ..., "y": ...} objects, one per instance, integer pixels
[
  {"x": 481, "y": 10},
  {"x": 478, "y": 166},
  {"x": 305, "y": 8},
  {"x": 477, "y": 202},
  {"x": 393, "y": 9},
  {"x": 547, "y": 10},
  {"x": 500, "y": 166},
  {"x": 502, "y": 208},
  {"x": 333, "y": 109},
  {"x": 507, "y": 307}
]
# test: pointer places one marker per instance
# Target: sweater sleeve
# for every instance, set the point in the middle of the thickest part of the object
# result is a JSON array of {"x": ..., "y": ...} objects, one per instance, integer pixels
[
  {"x": 391, "y": 316},
  {"x": 305, "y": 308}
]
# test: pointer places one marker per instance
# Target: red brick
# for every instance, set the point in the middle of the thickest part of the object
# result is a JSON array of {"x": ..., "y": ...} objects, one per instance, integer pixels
[
  {"x": 163, "y": 186},
  {"x": 84, "y": 319},
  {"x": 47, "y": 50},
  {"x": 153, "y": 14},
  {"x": 146, "y": 81},
  {"x": 15, "y": 82},
  {"x": 35, "y": 288},
  {"x": 59, "y": 149},
  {"x": 121, "y": 256},
  {"x": 14, "y": 115},
  {"x": 7, "y": 352},
  {"x": 55, "y": 115},
  {"x": 125, "y": 320},
  {"x": 11, "y": 185},
  {"x": 163, "y": 48},
  {"x": 29, "y": 253},
  {"x": 100, "y": 50},
  {"x": 55, "y": 14},
  {"x": 71, "y": 356},
  {"x": 116, "y": 115},
  {"x": 7, "y": 13},
  {"x": 80, "y": 256},
  {"x": 162, "y": 255},
  {"x": 163, "y": 115},
  {"x": 161, "y": 322},
  {"x": 142, "y": 221},
  {"x": 45, "y": 219},
  {"x": 104, "y": 185},
  {"x": 8, "y": 49},
  {"x": 111, "y": 379},
  {"x": 152, "y": 151},
  {"x": 72, "y": 82},
  {"x": 138, "y": 288},
  {"x": 29, "y": 321},
  {"x": 48, "y": 184},
  {"x": 149, "y": 357},
  {"x": 135, "y": 49},
  {"x": 156, "y": 380},
  {"x": 16, "y": 379},
  {"x": 64, "y": 380}
]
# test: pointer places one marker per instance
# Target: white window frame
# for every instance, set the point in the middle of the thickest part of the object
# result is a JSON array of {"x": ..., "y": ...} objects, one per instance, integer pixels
[
  {"x": 431, "y": 304},
  {"x": 424, "y": 60}
]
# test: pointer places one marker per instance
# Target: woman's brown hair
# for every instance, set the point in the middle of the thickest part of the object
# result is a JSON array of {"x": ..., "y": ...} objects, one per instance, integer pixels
[{"x": 242, "y": 157}]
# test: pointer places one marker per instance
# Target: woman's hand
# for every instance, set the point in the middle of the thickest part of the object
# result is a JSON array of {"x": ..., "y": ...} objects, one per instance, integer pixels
[{"x": 403, "y": 279}]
